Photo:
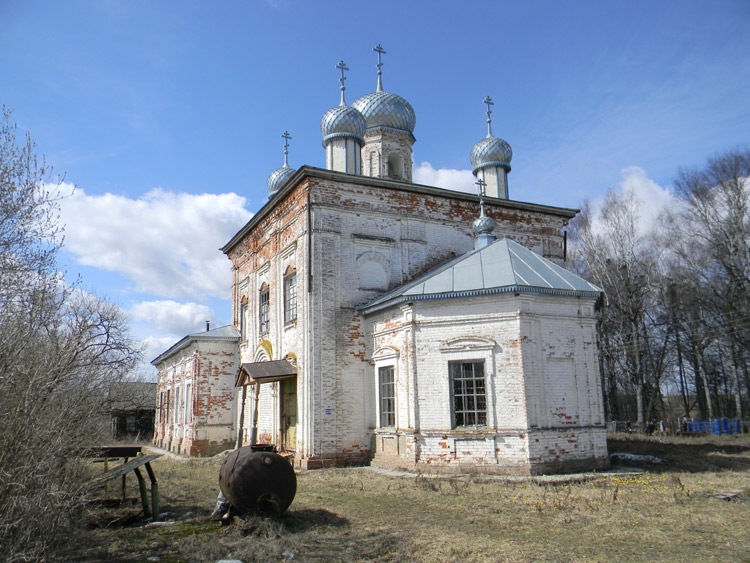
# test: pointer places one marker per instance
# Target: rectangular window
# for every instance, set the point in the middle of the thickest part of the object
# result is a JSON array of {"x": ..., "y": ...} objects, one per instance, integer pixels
[
  {"x": 265, "y": 311},
  {"x": 243, "y": 321},
  {"x": 290, "y": 298},
  {"x": 468, "y": 394},
  {"x": 387, "y": 397}
]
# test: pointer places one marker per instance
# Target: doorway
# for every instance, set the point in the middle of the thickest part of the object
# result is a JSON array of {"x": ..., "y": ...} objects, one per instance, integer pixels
[{"x": 289, "y": 414}]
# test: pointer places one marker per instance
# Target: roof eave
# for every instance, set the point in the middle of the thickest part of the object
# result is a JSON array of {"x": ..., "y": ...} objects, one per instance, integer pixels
[
  {"x": 397, "y": 300},
  {"x": 185, "y": 341},
  {"x": 306, "y": 171}
]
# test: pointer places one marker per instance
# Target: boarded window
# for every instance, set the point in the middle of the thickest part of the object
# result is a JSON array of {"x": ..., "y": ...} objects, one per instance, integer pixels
[
  {"x": 387, "y": 396},
  {"x": 468, "y": 395}
]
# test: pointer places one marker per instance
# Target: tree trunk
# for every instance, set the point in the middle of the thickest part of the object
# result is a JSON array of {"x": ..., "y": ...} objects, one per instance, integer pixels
[{"x": 706, "y": 389}]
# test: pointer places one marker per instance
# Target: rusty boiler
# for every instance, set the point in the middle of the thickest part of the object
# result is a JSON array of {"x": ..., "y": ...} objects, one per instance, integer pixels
[{"x": 255, "y": 479}]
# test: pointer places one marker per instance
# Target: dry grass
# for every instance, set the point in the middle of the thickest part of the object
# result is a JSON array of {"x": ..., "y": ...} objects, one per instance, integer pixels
[{"x": 669, "y": 513}]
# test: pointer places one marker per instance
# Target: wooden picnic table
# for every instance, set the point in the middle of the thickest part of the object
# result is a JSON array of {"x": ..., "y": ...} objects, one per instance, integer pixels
[{"x": 134, "y": 465}]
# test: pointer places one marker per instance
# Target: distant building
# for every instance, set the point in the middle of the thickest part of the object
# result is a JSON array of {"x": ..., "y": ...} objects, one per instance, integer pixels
[
  {"x": 195, "y": 394},
  {"x": 131, "y": 409},
  {"x": 380, "y": 320}
]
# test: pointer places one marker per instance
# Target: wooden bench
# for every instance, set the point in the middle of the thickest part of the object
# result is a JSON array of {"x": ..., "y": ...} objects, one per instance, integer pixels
[{"x": 121, "y": 471}]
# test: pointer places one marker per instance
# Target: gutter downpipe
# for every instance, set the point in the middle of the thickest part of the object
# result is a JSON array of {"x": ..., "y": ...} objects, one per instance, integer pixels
[{"x": 310, "y": 334}]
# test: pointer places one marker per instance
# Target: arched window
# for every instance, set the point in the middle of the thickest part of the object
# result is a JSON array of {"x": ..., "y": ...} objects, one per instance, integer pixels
[
  {"x": 290, "y": 295},
  {"x": 395, "y": 167},
  {"x": 264, "y": 309},
  {"x": 243, "y": 319}
]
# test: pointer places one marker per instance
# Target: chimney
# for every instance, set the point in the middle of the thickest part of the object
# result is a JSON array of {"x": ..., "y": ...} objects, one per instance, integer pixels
[{"x": 208, "y": 326}]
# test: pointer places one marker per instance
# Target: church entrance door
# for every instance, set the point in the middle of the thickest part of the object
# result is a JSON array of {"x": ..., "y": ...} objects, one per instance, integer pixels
[{"x": 289, "y": 414}]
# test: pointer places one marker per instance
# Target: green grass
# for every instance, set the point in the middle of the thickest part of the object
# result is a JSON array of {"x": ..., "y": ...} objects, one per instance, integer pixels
[{"x": 669, "y": 513}]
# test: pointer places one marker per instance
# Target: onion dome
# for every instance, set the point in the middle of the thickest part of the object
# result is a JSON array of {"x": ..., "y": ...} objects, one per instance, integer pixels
[
  {"x": 483, "y": 225},
  {"x": 343, "y": 120},
  {"x": 383, "y": 109},
  {"x": 281, "y": 176},
  {"x": 490, "y": 151}
]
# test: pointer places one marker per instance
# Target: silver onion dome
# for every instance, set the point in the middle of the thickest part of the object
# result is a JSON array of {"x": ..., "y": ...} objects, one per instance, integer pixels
[
  {"x": 383, "y": 109},
  {"x": 281, "y": 176},
  {"x": 342, "y": 121},
  {"x": 483, "y": 225},
  {"x": 491, "y": 151}
]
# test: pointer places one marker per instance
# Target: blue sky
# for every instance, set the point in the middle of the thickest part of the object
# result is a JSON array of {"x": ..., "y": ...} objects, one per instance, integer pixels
[{"x": 167, "y": 115}]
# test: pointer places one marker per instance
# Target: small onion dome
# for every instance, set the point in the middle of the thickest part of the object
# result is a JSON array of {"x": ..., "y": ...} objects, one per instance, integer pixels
[
  {"x": 279, "y": 177},
  {"x": 491, "y": 151},
  {"x": 342, "y": 121},
  {"x": 483, "y": 225},
  {"x": 383, "y": 109}
]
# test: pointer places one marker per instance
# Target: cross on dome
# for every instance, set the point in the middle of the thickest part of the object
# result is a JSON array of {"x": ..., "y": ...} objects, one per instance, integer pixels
[
  {"x": 487, "y": 100},
  {"x": 482, "y": 189},
  {"x": 342, "y": 67},
  {"x": 286, "y": 136},
  {"x": 380, "y": 51}
]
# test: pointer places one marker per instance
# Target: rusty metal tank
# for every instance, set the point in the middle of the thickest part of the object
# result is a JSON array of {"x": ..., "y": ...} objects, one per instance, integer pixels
[{"x": 255, "y": 479}]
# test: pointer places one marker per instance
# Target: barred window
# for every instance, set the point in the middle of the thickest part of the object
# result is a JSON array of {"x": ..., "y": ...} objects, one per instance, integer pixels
[
  {"x": 290, "y": 298},
  {"x": 387, "y": 397},
  {"x": 265, "y": 310},
  {"x": 468, "y": 394}
]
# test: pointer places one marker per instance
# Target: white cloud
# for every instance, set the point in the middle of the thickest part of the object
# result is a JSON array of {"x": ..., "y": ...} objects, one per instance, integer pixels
[
  {"x": 170, "y": 317},
  {"x": 167, "y": 243},
  {"x": 448, "y": 178},
  {"x": 152, "y": 348},
  {"x": 652, "y": 199},
  {"x": 655, "y": 199}
]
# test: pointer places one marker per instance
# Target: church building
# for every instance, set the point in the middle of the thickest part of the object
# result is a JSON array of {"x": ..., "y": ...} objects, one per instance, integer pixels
[{"x": 403, "y": 325}]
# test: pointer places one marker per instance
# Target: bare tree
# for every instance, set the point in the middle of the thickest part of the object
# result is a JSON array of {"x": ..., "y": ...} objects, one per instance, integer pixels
[
  {"x": 59, "y": 349},
  {"x": 614, "y": 252},
  {"x": 714, "y": 223}
]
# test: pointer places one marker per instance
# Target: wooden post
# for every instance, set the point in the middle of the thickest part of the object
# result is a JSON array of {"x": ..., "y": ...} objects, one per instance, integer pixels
[
  {"x": 154, "y": 492},
  {"x": 144, "y": 493},
  {"x": 254, "y": 430},
  {"x": 242, "y": 417}
]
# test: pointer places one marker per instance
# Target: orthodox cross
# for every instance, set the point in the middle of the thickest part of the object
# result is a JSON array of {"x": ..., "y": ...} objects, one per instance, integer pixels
[
  {"x": 487, "y": 100},
  {"x": 286, "y": 136},
  {"x": 482, "y": 185},
  {"x": 380, "y": 51},
  {"x": 342, "y": 67}
]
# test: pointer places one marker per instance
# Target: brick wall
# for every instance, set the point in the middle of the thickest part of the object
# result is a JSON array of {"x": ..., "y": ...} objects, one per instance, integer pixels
[
  {"x": 368, "y": 236},
  {"x": 543, "y": 395}
]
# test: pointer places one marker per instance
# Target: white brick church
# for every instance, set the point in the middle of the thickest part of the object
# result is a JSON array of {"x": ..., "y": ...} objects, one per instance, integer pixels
[{"x": 411, "y": 326}]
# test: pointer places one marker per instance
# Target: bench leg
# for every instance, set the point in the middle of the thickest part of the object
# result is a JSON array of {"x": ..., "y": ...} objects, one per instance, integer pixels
[
  {"x": 144, "y": 494},
  {"x": 154, "y": 491}
]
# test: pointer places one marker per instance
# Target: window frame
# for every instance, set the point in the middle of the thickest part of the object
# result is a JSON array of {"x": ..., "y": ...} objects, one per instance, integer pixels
[
  {"x": 243, "y": 320},
  {"x": 264, "y": 310},
  {"x": 386, "y": 417},
  {"x": 290, "y": 297},
  {"x": 469, "y": 398}
]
